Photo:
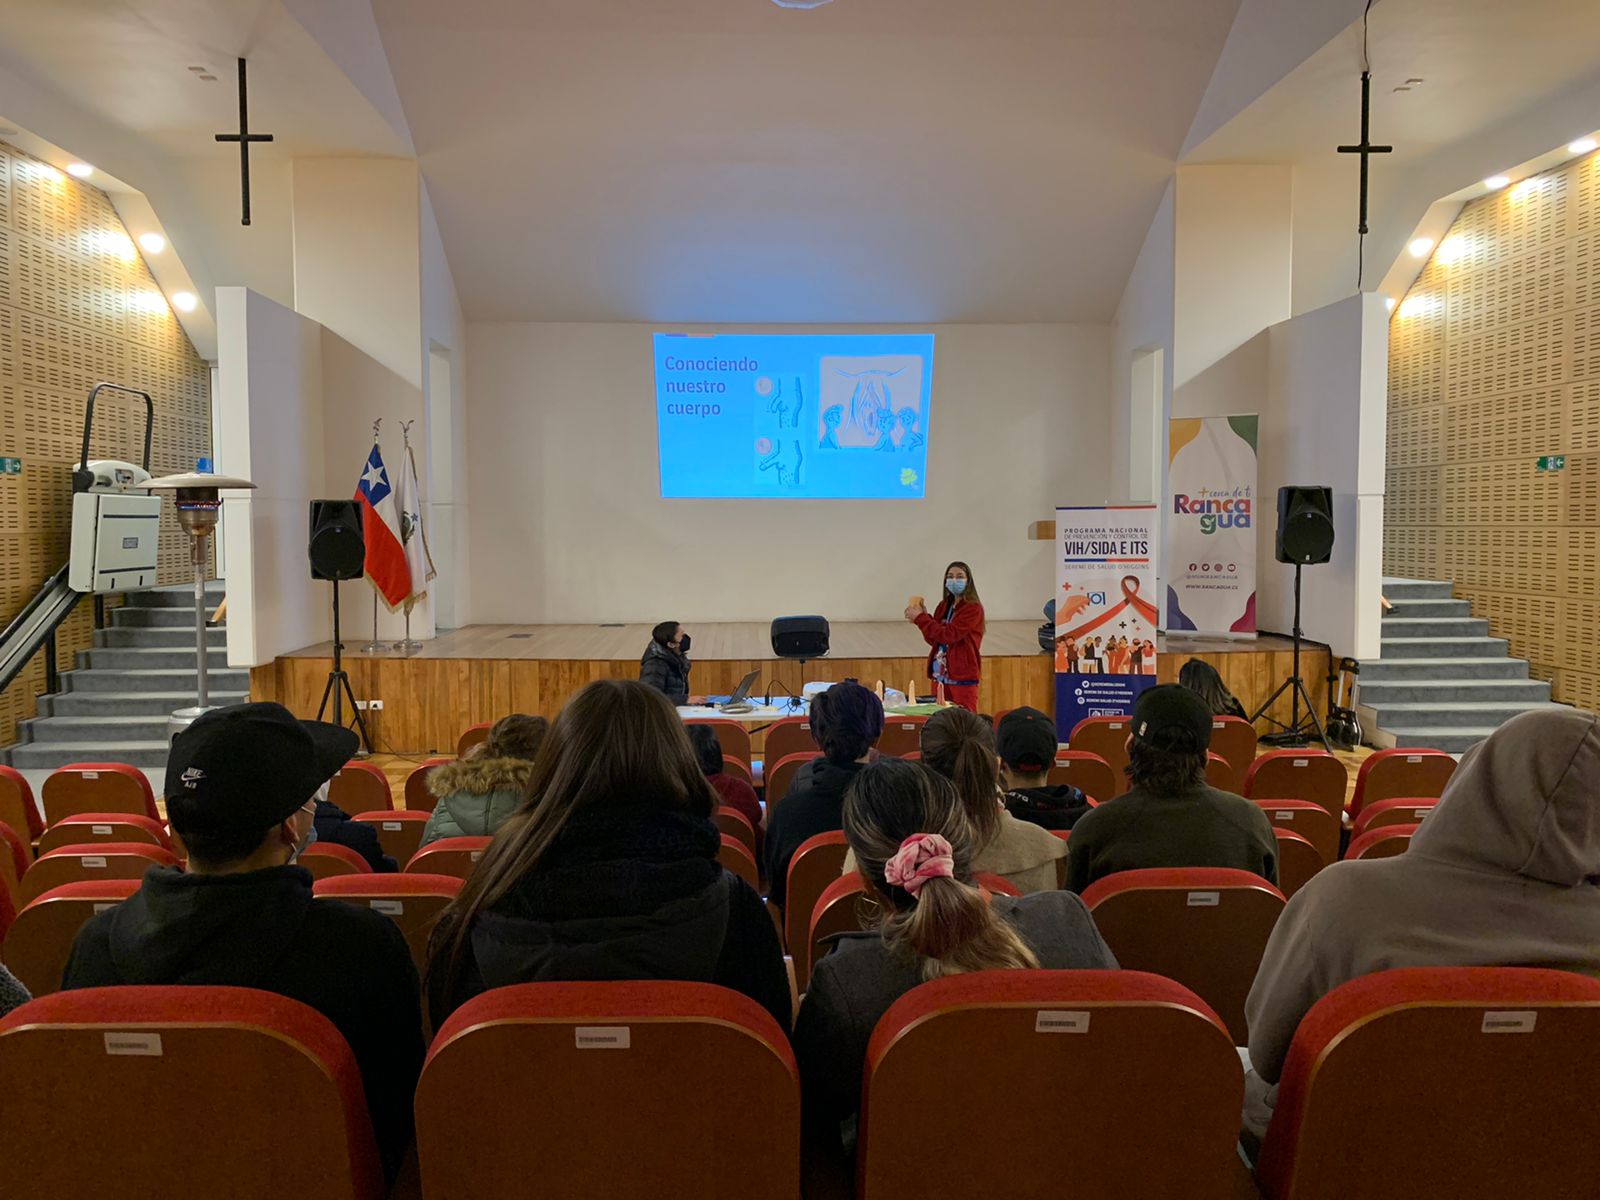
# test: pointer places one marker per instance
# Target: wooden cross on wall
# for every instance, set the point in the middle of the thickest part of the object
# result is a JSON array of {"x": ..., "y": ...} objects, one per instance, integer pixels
[
  {"x": 244, "y": 137},
  {"x": 1365, "y": 148}
]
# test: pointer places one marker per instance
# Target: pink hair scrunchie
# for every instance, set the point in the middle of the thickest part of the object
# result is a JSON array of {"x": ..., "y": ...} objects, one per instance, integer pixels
[{"x": 921, "y": 857}]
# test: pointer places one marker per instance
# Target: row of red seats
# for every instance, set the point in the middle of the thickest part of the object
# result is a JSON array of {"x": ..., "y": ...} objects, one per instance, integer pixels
[{"x": 961, "y": 1095}]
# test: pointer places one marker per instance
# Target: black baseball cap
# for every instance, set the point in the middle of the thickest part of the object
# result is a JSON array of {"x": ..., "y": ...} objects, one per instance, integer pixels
[
  {"x": 1171, "y": 717},
  {"x": 1026, "y": 740},
  {"x": 249, "y": 766}
]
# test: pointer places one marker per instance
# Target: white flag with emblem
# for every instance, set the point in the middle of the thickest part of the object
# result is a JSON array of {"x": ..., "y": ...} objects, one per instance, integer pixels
[{"x": 412, "y": 538}]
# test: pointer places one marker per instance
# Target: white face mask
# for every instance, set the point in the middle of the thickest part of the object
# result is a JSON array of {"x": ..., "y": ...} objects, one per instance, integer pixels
[{"x": 311, "y": 835}]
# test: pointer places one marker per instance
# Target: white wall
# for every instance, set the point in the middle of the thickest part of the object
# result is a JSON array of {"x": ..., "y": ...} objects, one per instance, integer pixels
[
  {"x": 443, "y": 458},
  {"x": 1143, "y": 323},
  {"x": 570, "y": 527}
]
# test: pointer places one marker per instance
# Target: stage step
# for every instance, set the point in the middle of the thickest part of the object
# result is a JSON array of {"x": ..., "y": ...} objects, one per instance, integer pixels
[
  {"x": 1447, "y": 738},
  {"x": 1449, "y": 715},
  {"x": 1444, "y": 647},
  {"x": 127, "y": 704},
  {"x": 1428, "y": 608},
  {"x": 147, "y": 727},
  {"x": 1396, "y": 589},
  {"x": 1379, "y": 694},
  {"x": 1432, "y": 628},
  {"x": 1386, "y": 670},
  {"x": 47, "y": 756},
  {"x": 83, "y": 679},
  {"x": 146, "y": 658},
  {"x": 153, "y": 636}
]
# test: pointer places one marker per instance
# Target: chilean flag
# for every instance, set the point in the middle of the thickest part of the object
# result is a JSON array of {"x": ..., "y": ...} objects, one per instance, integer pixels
[{"x": 380, "y": 525}]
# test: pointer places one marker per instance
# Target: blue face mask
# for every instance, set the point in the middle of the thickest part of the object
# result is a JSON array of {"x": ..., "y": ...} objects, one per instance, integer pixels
[{"x": 955, "y": 586}]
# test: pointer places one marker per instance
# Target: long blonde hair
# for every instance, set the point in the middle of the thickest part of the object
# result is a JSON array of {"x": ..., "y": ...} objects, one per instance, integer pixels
[
  {"x": 948, "y": 925},
  {"x": 960, "y": 746}
]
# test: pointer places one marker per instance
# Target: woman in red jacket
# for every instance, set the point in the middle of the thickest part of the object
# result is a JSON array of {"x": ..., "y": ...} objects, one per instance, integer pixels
[{"x": 955, "y": 631}]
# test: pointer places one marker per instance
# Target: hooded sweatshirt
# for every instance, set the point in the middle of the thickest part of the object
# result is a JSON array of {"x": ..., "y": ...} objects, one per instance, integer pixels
[
  {"x": 1502, "y": 873},
  {"x": 474, "y": 796},
  {"x": 263, "y": 929}
]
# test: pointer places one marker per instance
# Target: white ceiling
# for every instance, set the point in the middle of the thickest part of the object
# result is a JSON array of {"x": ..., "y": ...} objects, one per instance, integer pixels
[{"x": 732, "y": 161}]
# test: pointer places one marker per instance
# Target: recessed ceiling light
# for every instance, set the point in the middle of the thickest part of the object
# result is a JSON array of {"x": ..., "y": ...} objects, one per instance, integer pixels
[
  {"x": 153, "y": 243},
  {"x": 1414, "y": 80},
  {"x": 184, "y": 301},
  {"x": 80, "y": 170},
  {"x": 1389, "y": 303},
  {"x": 1419, "y": 247},
  {"x": 801, "y": 3},
  {"x": 1495, "y": 182},
  {"x": 1402, "y": 89},
  {"x": 1583, "y": 145},
  {"x": 206, "y": 78}
]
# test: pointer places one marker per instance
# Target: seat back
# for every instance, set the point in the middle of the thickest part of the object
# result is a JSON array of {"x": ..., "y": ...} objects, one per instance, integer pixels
[
  {"x": 590, "y": 1085},
  {"x": 1219, "y": 772},
  {"x": 411, "y": 901},
  {"x": 325, "y": 859},
  {"x": 1107, "y": 737},
  {"x": 843, "y": 907},
  {"x": 96, "y": 787},
  {"x": 730, "y": 822},
  {"x": 86, "y": 829},
  {"x": 738, "y": 768},
  {"x": 108, "y": 860},
  {"x": 448, "y": 856},
  {"x": 1298, "y": 860},
  {"x": 736, "y": 857},
  {"x": 815, "y": 865},
  {"x": 1400, "y": 772},
  {"x": 785, "y": 736},
  {"x": 418, "y": 797},
  {"x": 1205, "y": 927},
  {"x": 1087, "y": 772},
  {"x": 14, "y": 861},
  {"x": 17, "y": 807},
  {"x": 40, "y": 941},
  {"x": 780, "y": 774},
  {"x": 1385, "y": 841},
  {"x": 1234, "y": 739},
  {"x": 473, "y": 735},
  {"x": 359, "y": 787},
  {"x": 1313, "y": 775},
  {"x": 1400, "y": 810},
  {"x": 732, "y": 736},
  {"x": 1310, "y": 820},
  {"x": 1486, "y": 1060},
  {"x": 965, "y": 1075},
  {"x": 901, "y": 735},
  {"x": 399, "y": 831},
  {"x": 997, "y": 885},
  {"x": 100, "y": 1063}
]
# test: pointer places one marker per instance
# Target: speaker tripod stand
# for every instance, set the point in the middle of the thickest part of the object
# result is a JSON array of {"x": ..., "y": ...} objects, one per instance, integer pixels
[
  {"x": 1294, "y": 733},
  {"x": 338, "y": 688}
]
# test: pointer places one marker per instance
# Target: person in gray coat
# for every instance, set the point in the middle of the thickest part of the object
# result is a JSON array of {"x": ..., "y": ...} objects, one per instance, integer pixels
[{"x": 481, "y": 790}]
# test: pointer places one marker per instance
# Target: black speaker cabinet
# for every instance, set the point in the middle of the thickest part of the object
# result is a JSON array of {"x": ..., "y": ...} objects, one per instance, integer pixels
[
  {"x": 800, "y": 637},
  {"x": 337, "y": 547},
  {"x": 1305, "y": 524}
]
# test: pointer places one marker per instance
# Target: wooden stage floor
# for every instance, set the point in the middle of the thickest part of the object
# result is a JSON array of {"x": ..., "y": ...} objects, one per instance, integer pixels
[{"x": 483, "y": 672}]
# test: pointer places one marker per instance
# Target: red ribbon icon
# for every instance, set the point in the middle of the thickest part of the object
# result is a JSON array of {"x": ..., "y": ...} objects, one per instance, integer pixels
[{"x": 1130, "y": 598}]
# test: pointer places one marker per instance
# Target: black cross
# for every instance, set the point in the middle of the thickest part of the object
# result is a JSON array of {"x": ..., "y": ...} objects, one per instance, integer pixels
[
  {"x": 244, "y": 137},
  {"x": 1365, "y": 147}
]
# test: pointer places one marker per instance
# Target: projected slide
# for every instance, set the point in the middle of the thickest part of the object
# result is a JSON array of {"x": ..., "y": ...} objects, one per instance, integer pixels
[{"x": 793, "y": 416}]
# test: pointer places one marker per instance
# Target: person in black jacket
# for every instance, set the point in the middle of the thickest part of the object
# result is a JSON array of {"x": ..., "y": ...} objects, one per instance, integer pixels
[
  {"x": 846, "y": 722},
  {"x": 335, "y": 825},
  {"x": 1026, "y": 742},
  {"x": 608, "y": 870},
  {"x": 240, "y": 788},
  {"x": 665, "y": 664}
]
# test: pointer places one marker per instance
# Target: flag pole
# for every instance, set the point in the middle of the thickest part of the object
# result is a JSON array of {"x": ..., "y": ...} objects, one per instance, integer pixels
[
  {"x": 406, "y": 645},
  {"x": 375, "y": 646}
]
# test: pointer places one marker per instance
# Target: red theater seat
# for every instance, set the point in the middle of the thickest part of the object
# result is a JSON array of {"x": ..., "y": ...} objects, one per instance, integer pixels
[
  {"x": 95, "y": 787},
  {"x": 412, "y": 901},
  {"x": 1385, "y": 841},
  {"x": 449, "y": 856},
  {"x": 780, "y": 774},
  {"x": 901, "y": 735},
  {"x": 812, "y": 869},
  {"x": 732, "y": 736},
  {"x": 738, "y": 769},
  {"x": 399, "y": 831},
  {"x": 730, "y": 822},
  {"x": 965, "y": 1077},
  {"x": 1441, "y": 1082},
  {"x": 14, "y": 861},
  {"x": 1105, "y": 736},
  {"x": 1205, "y": 927},
  {"x": 474, "y": 735},
  {"x": 360, "y": 787},
  {"x": 325, "y": 859},
  {"x": 88, "y": 829},
  {"x": 997, "y": 885},
  {"x": 1089, "y": 773},
  {"x": 606, "y": 1090},
  {"x": 1219, "y": 772},
  {"x": 1234, "y": 740},
  {"x": 785, "y": 736},
  {"x": 1400, "y": 772},
  {"x": 1401, "y": 810},
  {"x": 1298, "y": 861},
  {"x": 418, "y": 797},
  {"x": 1318, "y": 825},
  {"x": 736, "y": 857},
  {"x": 1313, "y": 775},
  {"x": 40, "y": 940},
  {"x": 17, "y": 807},
  {"x": 107, "y": 860},
  {"x": 840, "y": 909},
  {"x": 182, "y": 1091}
]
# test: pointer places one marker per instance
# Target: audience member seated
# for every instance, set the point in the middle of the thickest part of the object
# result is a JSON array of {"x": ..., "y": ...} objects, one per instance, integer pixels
[
  {"x": 332, "y": 824},
  {"x": 1170, "y": 817},
  {"x": 915, "y": 844},
  {"x": 960, "y": 746},
  {"x": 1201, "y": 678},
  {"x": 846, "y": 722},
  {"x": 732, "y": 791},
  {"x": 477, "y": 794},
  {"x": 1502, "y": 873},
  {"x": 608, "y": 870},
  {"x": 1027, "y": 743},
  {"x": 12, "y": 993},
  {"x": 665, "y": 663},
  {"x": 240, "y": 785}
]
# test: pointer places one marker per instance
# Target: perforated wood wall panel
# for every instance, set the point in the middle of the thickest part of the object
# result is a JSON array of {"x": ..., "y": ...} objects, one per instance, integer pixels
[
  {"x": 78, "y": 307},
  {"x": 1494, "y": 362}
]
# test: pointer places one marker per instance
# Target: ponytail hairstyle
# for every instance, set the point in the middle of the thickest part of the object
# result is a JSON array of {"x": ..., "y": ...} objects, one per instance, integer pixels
[
  {"x": 516, "y": 736},
  {"x": 960, "y": 746},
  {"x": 948, "y": 925}
]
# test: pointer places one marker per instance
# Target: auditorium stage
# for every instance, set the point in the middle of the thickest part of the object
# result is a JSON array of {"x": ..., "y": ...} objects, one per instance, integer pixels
[{"x": 482, "y": 672}]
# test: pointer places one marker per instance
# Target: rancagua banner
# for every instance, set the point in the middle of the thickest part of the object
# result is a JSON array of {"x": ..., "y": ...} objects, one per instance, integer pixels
[
  {"x": 1105, "y": 614},
  {"x": 1211, "y": 530}
]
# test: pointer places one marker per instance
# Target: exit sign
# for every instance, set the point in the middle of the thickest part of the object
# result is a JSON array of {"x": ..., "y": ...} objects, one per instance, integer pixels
[
  {"x": 1550, "y": 462},
  {"x": 10, "y": 466}
]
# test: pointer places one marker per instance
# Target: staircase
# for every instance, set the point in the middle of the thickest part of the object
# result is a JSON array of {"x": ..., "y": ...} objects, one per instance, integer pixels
[
  {"x": 114, "y": 705},
  {"x": 1441, "y": 681}
]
